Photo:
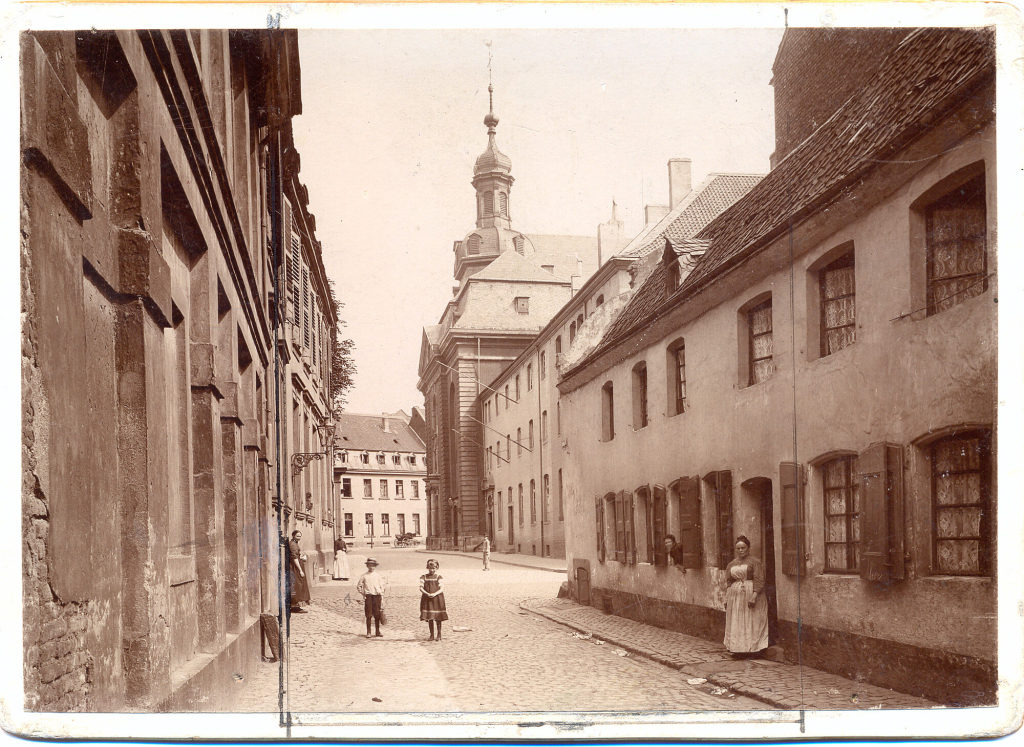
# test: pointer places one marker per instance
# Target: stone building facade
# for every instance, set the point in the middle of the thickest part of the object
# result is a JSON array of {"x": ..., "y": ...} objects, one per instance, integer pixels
[
  {"x": 380, "y": 467},
  {"x": 508, "y": 286},
  {"x": 156, "y": 366},
  {"x": 823, "y": 380}
]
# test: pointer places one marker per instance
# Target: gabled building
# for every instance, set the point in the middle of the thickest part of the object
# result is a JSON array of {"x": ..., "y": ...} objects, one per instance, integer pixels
[
  {"x": 379, "y": 471},
  {"x": 816, "y": 369},
  {"x": 508, "y": 286},
  {"x": 525, "y": 449}
]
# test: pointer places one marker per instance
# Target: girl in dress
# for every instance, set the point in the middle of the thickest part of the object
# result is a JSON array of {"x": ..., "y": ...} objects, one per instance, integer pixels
[
  {"x": 746, "y": 609},
  {"x": 432, "y": 607}
]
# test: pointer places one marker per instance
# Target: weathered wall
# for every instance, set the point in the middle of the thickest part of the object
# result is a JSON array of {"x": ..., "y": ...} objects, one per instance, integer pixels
[{"x": 904, "y": 377}]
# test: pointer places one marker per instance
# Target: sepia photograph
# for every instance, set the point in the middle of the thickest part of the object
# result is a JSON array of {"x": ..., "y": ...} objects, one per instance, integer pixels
[{"x": 542, "y": 372}]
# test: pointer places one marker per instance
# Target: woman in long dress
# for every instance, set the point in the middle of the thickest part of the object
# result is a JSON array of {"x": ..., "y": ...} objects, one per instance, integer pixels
[
  {"x": 746, "y": 609},
  {"x": 298, "y": 585},
  {"x": 432, "y": 607},
  {"x": 340, "y": 560}
]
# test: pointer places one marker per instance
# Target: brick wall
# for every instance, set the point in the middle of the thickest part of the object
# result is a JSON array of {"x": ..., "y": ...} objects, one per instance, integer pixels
[{"x": 816, "y": 71}]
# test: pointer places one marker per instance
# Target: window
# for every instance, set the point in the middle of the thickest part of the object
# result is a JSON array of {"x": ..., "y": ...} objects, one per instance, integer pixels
[
  {"x": 488, "y": 203},
  {"x": 490, "y": 458},
  {"x": 572, "y": 332},
  {"x": 473, "y": 245},
  {"x": 543, "y": 365},
  {"x": 759, "y": 342},
  {"x": 529, "y": 377},
  {"x": 498, "y": 505},
  {"x": 397, "y": 460},
  {"x": 531, "y": 435},
  {"x": 412, "y": 459},
  {"x": 619, "y": 519},
  {"x": 673, "y": 275},
  {"x": 533, "y": 501},
  {"x": 841, "y": 491},
  {"x": 364, "y": 458},
  {"x": 645, "y": 525},
  {"x": 558, "y": 417},
  {"x": 385, "y": 526},
  {"x": 608, "y": 411},
  {"x": 346, "y": 487},
  {"x": 380, "y": 458},
  {"x": 522, "y": 305},
  {"x": 401, "y": 523},
  {"x": 508, "y": 446},
  {"x": 519, "y": 243},
  {"x": 838, "y": 305},
  {"x": 367, "y": 488},
  {"x": 519, "y": 441},
  {"x": 349, "y": 529},
  {"x": 955, "y": 235},
  {"x": 545, "y": 508},
  {"x": 506, "y": 396},
  {"x": 579, "y": 322},
  {"x": 558, "y": 347},
  {"x": 961, "y": 489},
  {"x": 640, "y": 396},
  {"x": 383, "y": 488},
  {"x": 675, "y": 364},
  {"x": 517, "y": 388},
  {"x": 561, "y": 497},
  {"x": 503, "y": 204},
  {"x": 368, "y": 518},
  {"x": 399, "y": 488},
  {"x": 520, "y": 504},
  {"x": 544, "y": 427},
  {"x": 600, "y": 300},
  {"x": 720, "y": 489},
  {"x": 415, "y": 488},
  {"x": 415, "y": 523},
  {"x": 689, "y": 532},
  {"x": 487, "y": 411},
  {"x": 343, "y": 456}
]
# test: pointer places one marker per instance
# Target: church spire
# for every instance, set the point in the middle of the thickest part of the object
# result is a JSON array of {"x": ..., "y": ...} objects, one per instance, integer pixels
[{"x": 492, "y": 172}]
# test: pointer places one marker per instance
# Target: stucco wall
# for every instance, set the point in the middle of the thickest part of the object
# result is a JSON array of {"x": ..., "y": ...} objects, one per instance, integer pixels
[{"x": 901, "y": 379}]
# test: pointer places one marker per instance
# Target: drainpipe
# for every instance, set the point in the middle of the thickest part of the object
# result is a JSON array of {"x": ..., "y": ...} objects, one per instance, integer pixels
[{"x": 540, "y": 453}]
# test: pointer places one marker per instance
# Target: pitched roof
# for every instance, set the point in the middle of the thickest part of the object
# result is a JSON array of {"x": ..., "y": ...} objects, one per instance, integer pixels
[
  {"x": 514, "y": 267},
  {"x": 366, "y": 433},
  {"x": 927, "y": 74},
  {"x": 718, "y": 192}
]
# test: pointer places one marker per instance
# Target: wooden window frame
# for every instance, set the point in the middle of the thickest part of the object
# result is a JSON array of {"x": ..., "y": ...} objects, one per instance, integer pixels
[
  {"x": 846, "y": 261},
  {"x": 974, "y": 187},
  {"x": 608, "y": 411},
  {"x": 986, "y": 527},
  {"x": 720, "y": 488},
  {"x": 752, "y": 337},
  {"x": 675, "y": 366},
  {"x": 641, "y": 416},
  {"x": 851, "y": 514}
]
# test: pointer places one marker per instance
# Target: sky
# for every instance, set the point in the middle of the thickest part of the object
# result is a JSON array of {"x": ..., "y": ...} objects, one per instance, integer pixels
[{"x": 392, "y": 122}]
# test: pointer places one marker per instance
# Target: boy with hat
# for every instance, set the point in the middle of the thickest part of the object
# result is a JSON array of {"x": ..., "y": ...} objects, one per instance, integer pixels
[{"x": 371, "y": 586}]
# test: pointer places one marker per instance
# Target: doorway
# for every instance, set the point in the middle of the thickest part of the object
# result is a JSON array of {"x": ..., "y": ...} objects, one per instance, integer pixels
[
  {"x": 511, "y": 531},
  {"x": 760, "y": 491}
]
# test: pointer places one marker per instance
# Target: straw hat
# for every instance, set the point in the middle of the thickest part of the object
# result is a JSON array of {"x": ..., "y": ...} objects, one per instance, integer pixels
[{"x": 371, "y": 561}]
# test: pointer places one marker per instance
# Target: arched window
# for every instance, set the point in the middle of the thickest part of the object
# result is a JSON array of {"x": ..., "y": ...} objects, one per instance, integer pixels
[
  {"x": 488, "y": 203},
  {"x": 675, "y": 366},
  {"x": 473, "y": 246},
  {"x": 640, "y": 418},
  {"x": 608, "y": 411}
]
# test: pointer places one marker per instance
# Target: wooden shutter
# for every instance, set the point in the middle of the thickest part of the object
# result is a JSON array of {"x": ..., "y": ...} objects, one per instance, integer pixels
[
  {"x": 690, "y": 535},
  {"x": 660, "y": 508},
  {"x": 629, "y": 526},
  {"x": 599, "y": 515},
  {"x": 620, "y": 527},
  {"x": 723, "y": 495},
  {"x": 793, "y": 519},
  {"x": 881, "y": 513}
]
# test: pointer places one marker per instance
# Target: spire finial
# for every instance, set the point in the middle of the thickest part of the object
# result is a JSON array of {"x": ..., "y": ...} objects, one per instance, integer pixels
[{"x": 490, "y": 120}]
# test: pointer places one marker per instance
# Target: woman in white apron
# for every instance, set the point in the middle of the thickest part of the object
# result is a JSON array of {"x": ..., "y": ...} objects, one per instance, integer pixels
[
  {"x": 340, "y": 560},
  {"x": 746, "y": 609}
]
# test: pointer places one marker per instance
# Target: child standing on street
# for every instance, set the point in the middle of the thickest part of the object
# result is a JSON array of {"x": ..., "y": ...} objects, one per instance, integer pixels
[
  {"x": 371, "y": 586},
  {"x": 432, "y": 607},
  {"x": 486, "y": 547}
]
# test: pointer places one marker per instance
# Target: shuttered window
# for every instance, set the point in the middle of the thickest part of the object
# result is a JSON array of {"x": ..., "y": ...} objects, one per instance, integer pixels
[
  {"x": 659, "y": 505},
  {"x": 759, "y": 325},
  {"x": 295, "y": 280},
  {"x": 503, "y": 204},
  {"x": 793, "y": 513},
  {"x": 961, "y": 523},
  {"x": 599, "y": 527},
  {"x": 957, "y": 264},
  {"x": 488, "y": 203},
  {"x": 619, "y": 527},
  {"x": 305, "y": 307},
  {"x": 720, "y": 488},
  {"x": 690, "y": 530},
  {"x": 645, "y": 530},
  {"x": 838, "y": 305},
  {"x": 840, "y": 486},
  {"x": 881, "y": 515},
  {"x": 533, "y": 501},
  {"x": 627, "y": 510}
]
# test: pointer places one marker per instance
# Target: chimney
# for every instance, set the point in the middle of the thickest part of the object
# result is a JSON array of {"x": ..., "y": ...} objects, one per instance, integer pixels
[
  {"x": 679, "y": 180},
  {"x": 610, "y": 236},
  {"x": 654, "y": 213},
  {"x": 386, "y": 423}
]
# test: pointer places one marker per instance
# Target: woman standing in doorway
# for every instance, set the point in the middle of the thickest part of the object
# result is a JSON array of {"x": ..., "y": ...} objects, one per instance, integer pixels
[
  {"x": 746, "y": 609},
  {"x": 340, "y": 560},
  {"x": 298, "y": 586}
]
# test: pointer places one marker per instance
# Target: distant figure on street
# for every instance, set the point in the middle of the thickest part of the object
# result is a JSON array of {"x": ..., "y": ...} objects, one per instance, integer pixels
[
  {"x": 340, "y": 560},
  {"x": 432, "y": 608},
  {"x": 371, "y": 585},
  {"x": 675, "y": 553},
  {"x": 298, "y": 588},
  {"x": 746, "y": 609},
  {"x": 486, "y": 547}
]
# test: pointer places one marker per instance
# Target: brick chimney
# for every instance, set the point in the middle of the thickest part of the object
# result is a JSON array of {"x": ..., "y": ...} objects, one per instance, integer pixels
[
  {"x": 610, "y": 236},
  {"x": 680, "y": 180},
  {"x": 386, "y": 423}
]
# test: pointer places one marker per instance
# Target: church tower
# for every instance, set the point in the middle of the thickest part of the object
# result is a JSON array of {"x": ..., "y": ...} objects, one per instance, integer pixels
[{"x": 492, "y": 180}]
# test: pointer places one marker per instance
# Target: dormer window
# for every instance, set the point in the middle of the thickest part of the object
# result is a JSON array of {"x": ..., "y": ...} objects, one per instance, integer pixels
[
  {"x": 522, "y": 304},
  {"x": 673, "y": 275},
  {"x": 397, "y": 459},
  {"x": 364, "y": 458},
  {"x": 600, "y": 300},
  {"x": 380, "y": 458}
]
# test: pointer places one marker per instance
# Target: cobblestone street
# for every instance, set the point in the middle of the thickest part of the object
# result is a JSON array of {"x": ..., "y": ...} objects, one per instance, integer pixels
[{"x": 510, "y": 659}]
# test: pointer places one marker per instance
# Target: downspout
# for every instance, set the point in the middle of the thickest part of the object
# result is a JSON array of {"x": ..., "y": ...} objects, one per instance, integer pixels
[{"x": 540, "y": 453}]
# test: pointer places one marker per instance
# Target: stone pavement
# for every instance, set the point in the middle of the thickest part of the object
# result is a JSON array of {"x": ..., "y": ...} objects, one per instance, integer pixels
[
  {"x": 495, "y": 656},
  {"x": 556, "y": 565},
  {"x": 781, "y": 685}
]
